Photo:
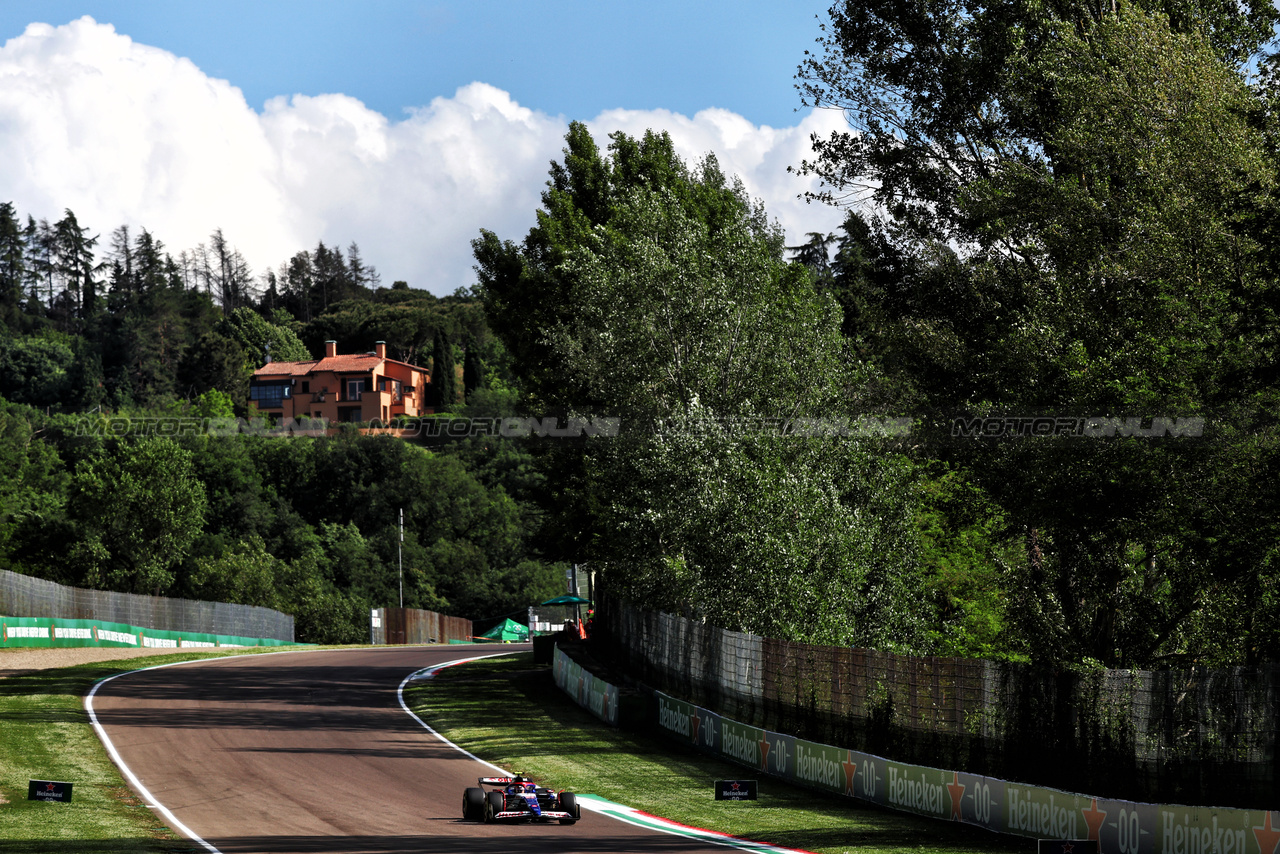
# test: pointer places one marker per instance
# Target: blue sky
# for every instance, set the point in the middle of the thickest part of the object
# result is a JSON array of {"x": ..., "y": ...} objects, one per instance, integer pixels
[
  {"x": 574, "y": 59},
  {"x": 378, "y": 121}
]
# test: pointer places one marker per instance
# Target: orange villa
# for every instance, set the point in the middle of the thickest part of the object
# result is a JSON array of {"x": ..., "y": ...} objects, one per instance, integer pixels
[{"x": 365, "y": 387}]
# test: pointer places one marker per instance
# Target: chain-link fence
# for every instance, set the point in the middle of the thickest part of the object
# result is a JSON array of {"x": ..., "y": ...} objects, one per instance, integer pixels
[
  {"x": 1199, "y": 737},
  {"x": 24, "y": 596}
]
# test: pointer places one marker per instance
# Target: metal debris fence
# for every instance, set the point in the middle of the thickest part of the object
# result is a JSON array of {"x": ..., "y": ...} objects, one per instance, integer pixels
[
  {"x": 26, "y": 596},
  {"x": 1196, "y": 737},
  {"x": 413, "y": 626}
]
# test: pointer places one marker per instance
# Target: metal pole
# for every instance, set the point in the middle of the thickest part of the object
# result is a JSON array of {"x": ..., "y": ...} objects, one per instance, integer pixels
[{"x": 400, "y": 556}]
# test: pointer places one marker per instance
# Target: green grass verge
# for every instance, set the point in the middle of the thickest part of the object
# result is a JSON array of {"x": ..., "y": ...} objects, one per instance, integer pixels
[
  {"x": 509, "y": 712},
  {"x": 45, "y": 734}
]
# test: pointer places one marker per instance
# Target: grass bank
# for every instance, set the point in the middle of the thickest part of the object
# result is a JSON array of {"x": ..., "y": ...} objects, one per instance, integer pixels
[
  {"x": 45, "y": 734},
  {"x": 509, "y": 712}
]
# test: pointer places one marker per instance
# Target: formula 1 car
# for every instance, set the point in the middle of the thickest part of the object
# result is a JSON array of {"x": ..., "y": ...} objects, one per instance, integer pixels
[{"x": 518, "y": 800}]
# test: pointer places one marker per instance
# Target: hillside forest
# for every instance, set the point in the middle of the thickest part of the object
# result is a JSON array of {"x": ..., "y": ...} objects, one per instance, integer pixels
[{"x": 1023, "y": 405}]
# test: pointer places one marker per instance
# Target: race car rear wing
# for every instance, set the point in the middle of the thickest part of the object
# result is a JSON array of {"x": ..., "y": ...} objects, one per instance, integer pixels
[{"x": 502, "y": 781}]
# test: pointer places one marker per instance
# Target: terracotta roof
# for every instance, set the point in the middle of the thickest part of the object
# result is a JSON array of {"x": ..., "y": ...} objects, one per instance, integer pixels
[
  {"x": 363, "y": 362},
  {"x": 351, "y": 363},
  {"x": 285, "y": 369}
]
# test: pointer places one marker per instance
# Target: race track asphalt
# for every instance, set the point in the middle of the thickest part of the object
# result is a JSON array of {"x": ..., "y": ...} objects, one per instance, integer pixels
[{"x": 311, "y": 753}]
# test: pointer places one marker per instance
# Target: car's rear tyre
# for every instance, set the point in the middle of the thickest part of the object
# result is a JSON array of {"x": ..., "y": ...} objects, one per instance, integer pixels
[
  {"x": 569, "y": 803},
  {"x": 493, "y": 804},
  {"x": 473, "y": 804}
]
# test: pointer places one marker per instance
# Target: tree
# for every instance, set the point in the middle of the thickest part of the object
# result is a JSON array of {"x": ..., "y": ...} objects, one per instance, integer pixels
[
  {"x": 815, "y": 254},
  {"x": 259, "y": 337},
  {"x": 35, "y": 371},
  {"x": 472, "y": 369},
  {"x": 444, "y": 382},
  {"x": 661, "y": 294},
  {"x": 74, "y": 265},
  {"x": 232, "y": 280},
  {"x": 140, "y": 507},
  {"x": 1072, "y": 200},
  {"x": 12, "y": 266},
  {"x": 926, "y": 85}
]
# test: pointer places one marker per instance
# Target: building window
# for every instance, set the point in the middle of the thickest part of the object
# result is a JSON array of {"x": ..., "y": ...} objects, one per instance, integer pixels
[
  {"x": 269, "y": 395},
  {"x": 306, "y": 387},
  {"x": 355, "y": 388}
]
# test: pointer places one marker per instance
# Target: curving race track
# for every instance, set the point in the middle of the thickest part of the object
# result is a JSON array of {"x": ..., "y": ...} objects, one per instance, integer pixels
[{"x": 310, "y": 753}]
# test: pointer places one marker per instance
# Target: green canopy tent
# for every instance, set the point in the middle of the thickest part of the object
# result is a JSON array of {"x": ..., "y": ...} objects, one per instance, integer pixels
[
  {"x": 507, "y": 630},
  {"x": 567, "y": 600}
]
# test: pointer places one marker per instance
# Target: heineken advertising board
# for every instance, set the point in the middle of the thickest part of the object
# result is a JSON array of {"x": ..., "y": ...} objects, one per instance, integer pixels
[
  {"x": 49, "y": 790},
  {"x": 737, "y": 790},
  {"x": 1118, "y": 827},
  {"x": 45, "y": 632}
]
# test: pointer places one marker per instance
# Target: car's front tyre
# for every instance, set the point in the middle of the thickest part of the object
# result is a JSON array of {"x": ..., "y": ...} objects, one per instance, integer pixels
[{"x": 494, "y": 803}]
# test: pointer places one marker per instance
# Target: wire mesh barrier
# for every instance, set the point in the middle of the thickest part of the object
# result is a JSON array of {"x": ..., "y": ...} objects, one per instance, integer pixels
[
  {"x": 412, "y": 626},
  {"x": 1196, "y": 737},
  {"x": 25, "y": 596}
]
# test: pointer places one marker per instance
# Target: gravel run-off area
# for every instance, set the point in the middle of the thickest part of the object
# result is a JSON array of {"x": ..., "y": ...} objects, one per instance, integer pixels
[{"x": 14, "y": 662}]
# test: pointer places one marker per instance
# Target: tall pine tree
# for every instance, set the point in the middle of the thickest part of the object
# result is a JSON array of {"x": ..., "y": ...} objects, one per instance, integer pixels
[{"x": 443, "y": 382}]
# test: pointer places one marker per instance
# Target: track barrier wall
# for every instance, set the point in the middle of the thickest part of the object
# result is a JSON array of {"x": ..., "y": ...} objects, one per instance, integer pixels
[
  {"x": 1201, "y": 737},
  {"x": 1036, "y": 812},
  {"x": 43, "y": 632},
  {"x": 28, "y": 596},
  {"x": 1119, "y": 827},
  {"x": 585, "y": 688}
]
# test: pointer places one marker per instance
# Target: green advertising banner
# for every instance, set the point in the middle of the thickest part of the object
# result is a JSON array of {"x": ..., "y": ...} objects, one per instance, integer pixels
[
  {"x": 1119, "y": 827},
  {"x": 42, "y": 632}
]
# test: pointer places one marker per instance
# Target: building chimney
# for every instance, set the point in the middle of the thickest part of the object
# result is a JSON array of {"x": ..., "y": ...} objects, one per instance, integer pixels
[
  {"x": 330, "y": 349},
  {"x": 380, "y": 349}
]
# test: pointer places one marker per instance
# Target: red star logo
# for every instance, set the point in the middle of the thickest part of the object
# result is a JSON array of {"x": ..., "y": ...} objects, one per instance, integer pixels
[
  {"x": 1067, "y": 848},
  {"x": 736, "y": 787},
  {"x": 1268, "y": 836},
  {"x": 48, "y": 787},
  {"x": 850, "y": 771},
  {"x": 764, "y": 752},
  {"x": 956, "y": 788},
  {"x": 695, "y": 723},
  {"x": 1093, "y": 818}
]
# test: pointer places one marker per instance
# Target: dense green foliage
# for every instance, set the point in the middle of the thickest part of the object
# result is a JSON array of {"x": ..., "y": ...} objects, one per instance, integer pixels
[
  {"x": 100, "y": 488},
  {"x": 1073, "y": 222},
  {"x": 660, "y": 293}
]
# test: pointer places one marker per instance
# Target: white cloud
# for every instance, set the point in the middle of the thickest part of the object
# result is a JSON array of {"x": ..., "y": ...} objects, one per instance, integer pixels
[{"x": 123, "y": 133}]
